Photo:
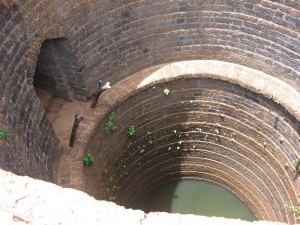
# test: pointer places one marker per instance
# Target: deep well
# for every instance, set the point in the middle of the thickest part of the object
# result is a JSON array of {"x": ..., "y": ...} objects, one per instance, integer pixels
[{"x": 231, "y": 116}]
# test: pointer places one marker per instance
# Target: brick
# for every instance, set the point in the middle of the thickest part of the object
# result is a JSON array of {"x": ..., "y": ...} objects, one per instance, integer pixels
[{"x": 111, "y": 40}]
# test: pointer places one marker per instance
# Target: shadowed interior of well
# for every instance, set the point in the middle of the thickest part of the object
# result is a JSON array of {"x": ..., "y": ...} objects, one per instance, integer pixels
[{"x": 203, "y": 128}]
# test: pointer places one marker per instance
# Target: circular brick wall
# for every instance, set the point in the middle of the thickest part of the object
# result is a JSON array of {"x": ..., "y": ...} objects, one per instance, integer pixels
[
  {"x": 204, "y": 129},
  {"x": 112, "y": 40}
]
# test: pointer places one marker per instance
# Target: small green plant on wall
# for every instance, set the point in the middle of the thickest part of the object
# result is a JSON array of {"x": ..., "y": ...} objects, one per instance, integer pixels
[
  {"x": 131, "y": 131},
  {"x": 278, "y": 101},
  {"x": 166, "y": 92},
  {"x": 295, "y": 209},
  {"x": 149, "y": 137},
  {"x": 4, "y": 135},
  {"x": 110, "y": 126},
  {"x": 109, "y": 186},
  {"x": 88, "y": 160}
]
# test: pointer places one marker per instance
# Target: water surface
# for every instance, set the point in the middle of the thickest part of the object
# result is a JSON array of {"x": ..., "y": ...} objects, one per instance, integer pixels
[{"x": 196, "y": 197}]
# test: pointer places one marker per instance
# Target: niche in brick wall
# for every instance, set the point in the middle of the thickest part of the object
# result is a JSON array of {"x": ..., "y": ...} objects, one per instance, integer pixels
[{"x": 55, "y": 68}]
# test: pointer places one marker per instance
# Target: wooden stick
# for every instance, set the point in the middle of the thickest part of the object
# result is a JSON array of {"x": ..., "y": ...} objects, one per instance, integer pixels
[
  {"x": 98, "y": 93},
  {"x": 77, "y": 120}
]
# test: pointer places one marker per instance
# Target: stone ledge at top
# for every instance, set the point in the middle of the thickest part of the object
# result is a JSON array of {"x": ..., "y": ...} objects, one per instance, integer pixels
[{"x": 28, "y": 201}]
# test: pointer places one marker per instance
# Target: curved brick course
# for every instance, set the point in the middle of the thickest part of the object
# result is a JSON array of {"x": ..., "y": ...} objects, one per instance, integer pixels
[
  {"x": 238, "y": 132},
  {"x": 201, "y": 119}
]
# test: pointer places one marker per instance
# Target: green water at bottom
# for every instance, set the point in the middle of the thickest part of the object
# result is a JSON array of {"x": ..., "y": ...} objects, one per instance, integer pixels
[{"x": 198, "y": 197}]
